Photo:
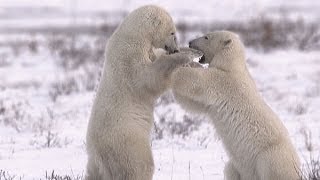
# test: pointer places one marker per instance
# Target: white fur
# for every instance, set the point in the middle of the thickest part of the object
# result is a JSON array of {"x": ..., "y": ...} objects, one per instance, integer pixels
[
  {"x": 133, "y": 78},
  {"x": 255, "y": 139}
]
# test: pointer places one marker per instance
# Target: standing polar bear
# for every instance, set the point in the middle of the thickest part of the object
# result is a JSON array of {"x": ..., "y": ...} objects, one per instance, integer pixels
[
  {"x": 255, "y": 139},
  {"x": 118, "y": 144}
]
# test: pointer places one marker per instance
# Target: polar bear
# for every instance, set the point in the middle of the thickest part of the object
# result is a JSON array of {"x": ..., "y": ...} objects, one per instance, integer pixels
[
  {"x": 133, "y": 78},
  {"x": 256, "y": 141}
]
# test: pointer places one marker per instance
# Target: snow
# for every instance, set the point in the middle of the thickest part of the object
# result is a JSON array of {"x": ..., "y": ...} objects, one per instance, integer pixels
[{"x": 288, "y": 80}]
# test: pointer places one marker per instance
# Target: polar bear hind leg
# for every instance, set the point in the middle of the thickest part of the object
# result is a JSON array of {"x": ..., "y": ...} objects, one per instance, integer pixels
[
  {"x": 92, "y": 171},
  {"x": 134, "y": 162},
  {"x": 276, "y": 163},
  {"x": 230, "y": 172}
]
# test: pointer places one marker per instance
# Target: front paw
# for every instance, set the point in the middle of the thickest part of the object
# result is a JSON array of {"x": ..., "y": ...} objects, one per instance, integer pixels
[
  {"x": 195, "y": 54},
  {"x": 181, "y": 58}
]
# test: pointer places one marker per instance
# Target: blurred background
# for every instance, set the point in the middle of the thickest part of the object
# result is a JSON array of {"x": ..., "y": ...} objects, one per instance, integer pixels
[{"x": 51, "y": 54}]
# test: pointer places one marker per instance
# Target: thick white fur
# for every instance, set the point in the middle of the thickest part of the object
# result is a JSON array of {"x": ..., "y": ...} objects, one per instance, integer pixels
[
  {"x": 133, "y": 78},
  {"x": 255, "y": 139}
]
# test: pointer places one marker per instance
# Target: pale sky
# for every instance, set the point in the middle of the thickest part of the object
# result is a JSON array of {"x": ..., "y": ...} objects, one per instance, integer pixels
[{"x": 226, "y": 9}]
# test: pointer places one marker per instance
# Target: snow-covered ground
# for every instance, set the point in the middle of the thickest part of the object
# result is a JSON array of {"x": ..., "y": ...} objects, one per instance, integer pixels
[{"x": 44, "y": 107}]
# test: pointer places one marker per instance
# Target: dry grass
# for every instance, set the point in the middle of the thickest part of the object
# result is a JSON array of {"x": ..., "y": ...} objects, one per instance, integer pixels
[
  {"x": 4, "y": 175},
  {"x": 311, "y": 170},
  {"x": 54, "y": 176}
]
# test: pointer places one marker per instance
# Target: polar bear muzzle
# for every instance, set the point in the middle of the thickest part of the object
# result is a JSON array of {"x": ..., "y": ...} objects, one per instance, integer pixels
[
  {"x": 171, "y": 45},
  {"x": 170, "y": 50}
]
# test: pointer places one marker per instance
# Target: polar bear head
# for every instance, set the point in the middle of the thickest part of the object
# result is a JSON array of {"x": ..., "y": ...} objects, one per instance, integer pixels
[
  {"x": 221, "y": 49},
  {"x": 150, "y": 24}
]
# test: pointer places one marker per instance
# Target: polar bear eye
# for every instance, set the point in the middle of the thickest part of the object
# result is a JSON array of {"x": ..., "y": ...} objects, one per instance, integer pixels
[
  {"x": 206, "y": 37},
  {"x": 172, "y": 33}
]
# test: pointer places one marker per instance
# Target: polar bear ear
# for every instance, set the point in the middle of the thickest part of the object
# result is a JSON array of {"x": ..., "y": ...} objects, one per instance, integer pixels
[
  {"x": 156, "y": 22},
  {"x": 227, "y": 43}
]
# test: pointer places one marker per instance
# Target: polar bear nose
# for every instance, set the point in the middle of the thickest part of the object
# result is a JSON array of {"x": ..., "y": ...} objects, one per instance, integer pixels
[{"x": 175, "y": 51}]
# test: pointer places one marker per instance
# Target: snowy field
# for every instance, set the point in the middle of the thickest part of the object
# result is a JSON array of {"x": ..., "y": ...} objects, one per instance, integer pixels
[{"x": 51, "y": 53}]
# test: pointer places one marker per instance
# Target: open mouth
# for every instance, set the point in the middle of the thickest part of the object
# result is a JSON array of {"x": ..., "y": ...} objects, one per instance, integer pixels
[
  {"x": 166, "y": 48},
  {"x": 202, "y": 59}
]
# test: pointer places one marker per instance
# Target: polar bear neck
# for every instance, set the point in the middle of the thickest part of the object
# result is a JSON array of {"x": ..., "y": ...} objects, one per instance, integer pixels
[
  {"x": 137, "y": 48},
  {"x": 139, "y": 30},
  {"x": 229, "y": 59}
]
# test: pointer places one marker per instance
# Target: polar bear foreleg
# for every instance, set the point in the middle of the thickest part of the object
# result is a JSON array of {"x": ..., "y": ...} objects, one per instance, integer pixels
[
  {"x": 155, "y": 77},
  {"x": 92, "y": 170},
  {"x": 189, "y": 104},
  {"x": 192, "y": 83}
]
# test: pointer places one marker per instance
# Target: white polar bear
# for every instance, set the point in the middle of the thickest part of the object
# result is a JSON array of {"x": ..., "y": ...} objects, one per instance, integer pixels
[
  {"x": 118, "y": 136},
  {"x": 256, "y": 141}
]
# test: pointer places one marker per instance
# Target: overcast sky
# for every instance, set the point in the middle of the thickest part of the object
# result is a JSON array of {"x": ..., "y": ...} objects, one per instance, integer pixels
[{"x": 217, "y": 9}]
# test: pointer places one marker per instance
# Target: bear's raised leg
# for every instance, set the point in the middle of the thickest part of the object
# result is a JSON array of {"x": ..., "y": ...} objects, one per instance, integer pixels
[
  {"x": 190, "y": 82},
  {"x": 230, "y": 172},
  {"x": 189, "y": 104},
  {"x": 156, "y": 76}
]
